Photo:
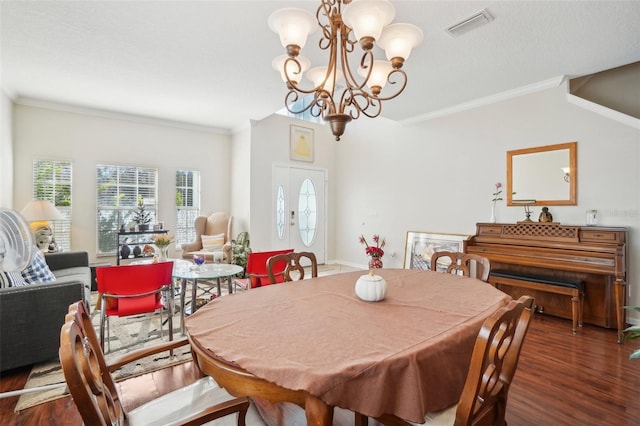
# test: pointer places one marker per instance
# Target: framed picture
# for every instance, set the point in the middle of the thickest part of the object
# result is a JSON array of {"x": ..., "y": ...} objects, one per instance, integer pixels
[
  {"x": 420, "y": 246},
  {"x": 301, "y": 143}
]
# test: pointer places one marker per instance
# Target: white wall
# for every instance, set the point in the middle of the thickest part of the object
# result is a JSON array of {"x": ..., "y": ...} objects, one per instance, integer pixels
[
  {"x": 383, "y": 177},
  {"x": 269, "y": 145},
  {"x": 6, "y": 151},
  {"x": 88, "y": 140},
  {"x": 240, "y": 179},
  {"x": 439, "y": 176}
]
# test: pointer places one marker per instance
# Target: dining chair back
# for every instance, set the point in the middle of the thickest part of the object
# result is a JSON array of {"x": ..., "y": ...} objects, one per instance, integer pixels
[
  {"x": 89, "y": 380},
  {"x": 294, "y": 264},
  {"x": 256, "y": 272},
  {"x": 469, "y": 265},
  {"x": 493, "y": 365},
  {"x": 491, "y": 370},
  {"x": 133, "y": 290}
]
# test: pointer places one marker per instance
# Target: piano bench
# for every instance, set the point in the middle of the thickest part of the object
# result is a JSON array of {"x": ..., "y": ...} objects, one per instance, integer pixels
[{"x": 567, "y": 287}]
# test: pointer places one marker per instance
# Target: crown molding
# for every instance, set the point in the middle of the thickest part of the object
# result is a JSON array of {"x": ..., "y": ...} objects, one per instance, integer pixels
[
  {"x": 95, "y": 112},
  {"x": 488, "y": 100},
  {"x": 604, "y": 111}
]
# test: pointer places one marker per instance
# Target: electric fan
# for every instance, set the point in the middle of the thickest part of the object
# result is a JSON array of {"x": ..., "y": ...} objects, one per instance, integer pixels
[{"x": 15, "y": 241}]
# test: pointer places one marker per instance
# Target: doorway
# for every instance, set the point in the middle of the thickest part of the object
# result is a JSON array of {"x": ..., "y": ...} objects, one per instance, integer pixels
[{"x": 299, "y": 210}]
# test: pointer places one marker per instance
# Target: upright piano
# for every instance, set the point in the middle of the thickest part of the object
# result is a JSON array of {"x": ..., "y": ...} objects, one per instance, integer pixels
[{"x": 594, "y": 256}]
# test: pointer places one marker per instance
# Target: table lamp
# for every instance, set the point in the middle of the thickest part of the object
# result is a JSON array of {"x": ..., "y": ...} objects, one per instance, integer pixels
[{"x": 38, "y": 213}]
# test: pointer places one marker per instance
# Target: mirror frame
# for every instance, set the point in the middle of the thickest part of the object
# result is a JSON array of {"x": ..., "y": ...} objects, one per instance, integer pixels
[{"x": 573, "y": 174}]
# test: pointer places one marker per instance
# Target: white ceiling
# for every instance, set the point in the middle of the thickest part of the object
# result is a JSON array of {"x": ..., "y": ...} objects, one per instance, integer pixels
[{"x": 209, "y": 62}]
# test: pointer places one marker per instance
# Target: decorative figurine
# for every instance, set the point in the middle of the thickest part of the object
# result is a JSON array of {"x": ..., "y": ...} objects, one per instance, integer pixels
[
  {"x": 125, "y": 250},
  {"x": 53, "y": 246},
  {"x": 545, "y": 216}
]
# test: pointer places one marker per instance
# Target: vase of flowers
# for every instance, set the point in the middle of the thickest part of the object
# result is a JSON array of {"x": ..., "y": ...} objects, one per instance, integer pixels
[
  {"x": 163, "y": 241},
  {"x": 496, "y": 197},
  {"x": 375, "y": 252}
]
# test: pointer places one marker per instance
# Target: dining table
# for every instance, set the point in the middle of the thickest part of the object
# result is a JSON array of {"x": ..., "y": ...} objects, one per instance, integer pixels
[{"x": 316, "y": 344}]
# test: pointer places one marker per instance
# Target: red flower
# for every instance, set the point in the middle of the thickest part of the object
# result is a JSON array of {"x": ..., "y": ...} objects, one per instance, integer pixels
[{"x": 374, "y": 251}]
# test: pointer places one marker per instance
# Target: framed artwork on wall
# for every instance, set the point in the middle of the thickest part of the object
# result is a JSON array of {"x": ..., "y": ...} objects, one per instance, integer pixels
[
  {"x": 420, "y": 246},
  {"x": 301, "y": 143}
]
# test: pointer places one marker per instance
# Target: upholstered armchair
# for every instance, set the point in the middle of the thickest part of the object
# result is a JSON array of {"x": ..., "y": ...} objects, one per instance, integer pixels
[{"x": 213, "y": 234}]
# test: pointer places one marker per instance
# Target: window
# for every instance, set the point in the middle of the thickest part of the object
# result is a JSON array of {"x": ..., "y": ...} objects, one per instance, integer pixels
[
  {"x": 118, "y": 191},
  {"x": 307, "y": 212},
  {"x": 280, "y": 213},
  {"x": 52, "y": 182},
  {"x": 187, "y": 205},
  {"x": 306, "y": 115}
]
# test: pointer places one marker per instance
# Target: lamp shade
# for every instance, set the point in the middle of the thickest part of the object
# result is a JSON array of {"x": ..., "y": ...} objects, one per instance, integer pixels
[
  {"x": 41, "y": 210},
  {"x": 379, "y": 73},
  {"x": 318, "y": 74},
  {"x": 367, "y": 17},
  {"x": 292, "y": 25},
  {"x": 292, "y": 70},
  {"x": 398, "y": 40}
]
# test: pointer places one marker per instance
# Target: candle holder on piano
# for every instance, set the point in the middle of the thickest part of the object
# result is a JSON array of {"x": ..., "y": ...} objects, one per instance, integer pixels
[{"x": 527, "y": 208}]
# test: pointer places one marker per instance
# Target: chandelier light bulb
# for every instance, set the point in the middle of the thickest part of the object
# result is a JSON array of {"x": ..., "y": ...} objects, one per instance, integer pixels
[
  {"x": 293, "y": 26},
  {"x": 398, "y": 40},
  {"x": 367, "y": 18}
]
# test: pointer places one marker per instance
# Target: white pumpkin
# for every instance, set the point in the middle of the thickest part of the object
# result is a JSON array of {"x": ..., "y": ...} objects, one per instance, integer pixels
[{"x": 371, "y": 287}]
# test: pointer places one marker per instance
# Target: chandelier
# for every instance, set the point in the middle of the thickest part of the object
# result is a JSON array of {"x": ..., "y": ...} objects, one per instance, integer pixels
[{"x": 339, "y": 95}]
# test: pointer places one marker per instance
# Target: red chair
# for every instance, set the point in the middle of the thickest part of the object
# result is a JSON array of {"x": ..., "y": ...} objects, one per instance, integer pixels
[
  {"x": 256, "y": 272},
  {"x": 133, "y": 290}
]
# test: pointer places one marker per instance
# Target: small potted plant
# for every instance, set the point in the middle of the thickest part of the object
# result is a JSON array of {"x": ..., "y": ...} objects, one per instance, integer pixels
[
  {"x": 141, "y": 216},
  {"x": 633, "y": 332}
]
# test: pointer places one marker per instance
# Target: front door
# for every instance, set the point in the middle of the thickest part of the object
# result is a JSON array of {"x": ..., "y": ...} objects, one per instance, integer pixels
[{"x": 299, "y": 217}]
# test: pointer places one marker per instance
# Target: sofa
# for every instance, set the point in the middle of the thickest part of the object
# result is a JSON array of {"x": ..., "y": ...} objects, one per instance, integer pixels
[{"x": 31, "y": 316}]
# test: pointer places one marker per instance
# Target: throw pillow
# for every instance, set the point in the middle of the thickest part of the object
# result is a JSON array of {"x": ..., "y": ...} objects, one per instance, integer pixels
[
  {"x": 16, "y": 279},
  {"x": 4, "y": 280},
  {"x": 38, "y": 272},
  {"x": 212, "y": 242}
]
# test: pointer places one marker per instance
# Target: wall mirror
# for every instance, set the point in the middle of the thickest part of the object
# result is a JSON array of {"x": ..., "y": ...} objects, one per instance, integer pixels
[{"x": 546, "y": 174}]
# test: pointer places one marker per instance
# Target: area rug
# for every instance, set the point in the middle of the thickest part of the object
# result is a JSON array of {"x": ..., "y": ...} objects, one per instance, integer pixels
[{"x": 126, "y": 334}]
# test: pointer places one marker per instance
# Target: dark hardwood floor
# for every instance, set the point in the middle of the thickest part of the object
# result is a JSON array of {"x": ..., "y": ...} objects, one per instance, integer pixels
[{"x": 562, "y": 379}]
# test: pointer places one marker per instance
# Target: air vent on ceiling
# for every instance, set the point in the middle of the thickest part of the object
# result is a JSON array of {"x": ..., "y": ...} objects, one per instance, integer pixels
[{"x": 472, "y": 22}]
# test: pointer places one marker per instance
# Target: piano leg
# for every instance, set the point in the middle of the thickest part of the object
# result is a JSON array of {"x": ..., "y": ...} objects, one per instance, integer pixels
[
  {"x": 576, "y": 312},
  {"x": 620, "y": 288}
]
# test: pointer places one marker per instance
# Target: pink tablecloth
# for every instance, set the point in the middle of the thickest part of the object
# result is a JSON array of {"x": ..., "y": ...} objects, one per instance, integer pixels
[{"x": 406, "y": 355}]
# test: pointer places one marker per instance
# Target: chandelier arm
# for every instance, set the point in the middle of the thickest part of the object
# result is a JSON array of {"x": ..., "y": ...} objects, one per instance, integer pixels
[
  {"x": 292, "y": 83},
  {"x": 290, "y": 99},
  {"x": 363, "y": 102},
  {"x": 355, "y": 109},
  {"x": 399, "y": 89},
  {"x": 316, "y": 109},
  {"x": 327, "y": 12},
  {"x": 375, "y": 105}
]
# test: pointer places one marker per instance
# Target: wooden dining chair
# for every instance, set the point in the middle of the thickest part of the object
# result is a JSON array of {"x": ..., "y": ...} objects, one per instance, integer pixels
[
  {"x": 294, "y": 264},
  {"x": 127, "y": 290},
  {"x": 469, "y": 265},
  {"x": 493, "y": 364},
  {"x": 88, "y": 377},
  {"x": 256, "y": 274}
]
